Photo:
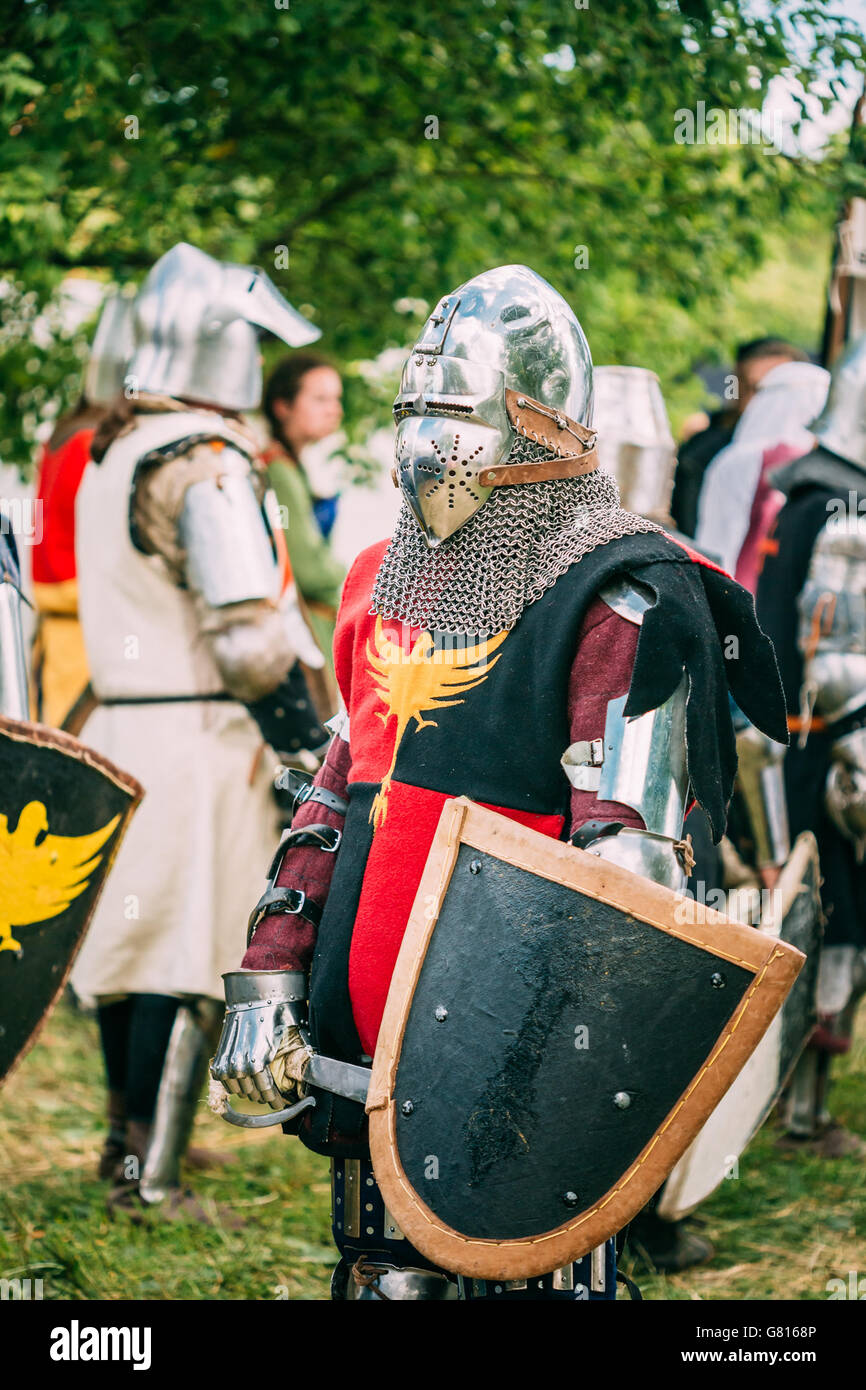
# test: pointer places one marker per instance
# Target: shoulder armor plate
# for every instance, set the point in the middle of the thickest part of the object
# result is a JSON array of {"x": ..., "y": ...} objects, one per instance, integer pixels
[
  {"x": 229, "y": 548},
  {"x": 628, "y": 598}
]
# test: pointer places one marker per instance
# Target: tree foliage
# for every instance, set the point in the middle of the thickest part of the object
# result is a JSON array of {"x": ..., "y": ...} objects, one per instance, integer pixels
[{"x": 394, "y": 149}]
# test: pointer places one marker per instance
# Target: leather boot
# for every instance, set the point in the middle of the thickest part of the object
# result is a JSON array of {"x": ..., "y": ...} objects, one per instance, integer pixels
[
  {"x": 114, "y": 1148},
  {"x": 124, "y": 1194}
]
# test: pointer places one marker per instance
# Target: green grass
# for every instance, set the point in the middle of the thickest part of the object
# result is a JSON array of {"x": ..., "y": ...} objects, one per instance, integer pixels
[{"x": 781, "y": 1230}]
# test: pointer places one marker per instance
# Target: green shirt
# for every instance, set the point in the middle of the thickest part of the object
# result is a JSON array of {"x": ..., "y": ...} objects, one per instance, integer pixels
[{"x": 318, "y": 574}]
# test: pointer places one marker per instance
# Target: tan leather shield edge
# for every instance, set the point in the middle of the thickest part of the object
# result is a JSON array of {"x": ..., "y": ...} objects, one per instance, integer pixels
[{"x": 773, "y": 964}]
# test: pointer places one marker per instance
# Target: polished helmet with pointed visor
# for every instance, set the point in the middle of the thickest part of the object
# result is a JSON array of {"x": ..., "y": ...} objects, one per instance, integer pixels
[
  {"x": 111, "y": 350},
  {"x": 502, "y": 357},
  {"x": 197, "y": 326}
]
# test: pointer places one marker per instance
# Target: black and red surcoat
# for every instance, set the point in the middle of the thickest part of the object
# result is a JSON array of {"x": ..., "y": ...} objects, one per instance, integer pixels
[{"x": 490, "y": 719}]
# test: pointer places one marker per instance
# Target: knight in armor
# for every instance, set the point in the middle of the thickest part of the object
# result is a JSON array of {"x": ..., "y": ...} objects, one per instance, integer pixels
[
  {"x": 193, "y": 637},
  {"x": 812, "y": 602},
  {"x": 499, "y": 647}
]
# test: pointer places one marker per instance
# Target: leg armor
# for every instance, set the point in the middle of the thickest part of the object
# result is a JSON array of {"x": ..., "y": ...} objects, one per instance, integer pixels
[
  {"x": 805, "y": 1109},
  {"x": 841, "y": 985},
  {"x": 193, "y": 1039},
  {"x": 379, "y": 1263}
]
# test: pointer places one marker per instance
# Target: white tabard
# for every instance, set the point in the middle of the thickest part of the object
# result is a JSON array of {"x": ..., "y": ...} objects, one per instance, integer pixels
[{"x": 172, "y": 915}]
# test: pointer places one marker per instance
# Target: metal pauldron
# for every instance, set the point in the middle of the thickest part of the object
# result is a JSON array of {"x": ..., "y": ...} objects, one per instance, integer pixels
[
  {"x": 641, "y": 763},
  {"x": 230, "y": 554}
]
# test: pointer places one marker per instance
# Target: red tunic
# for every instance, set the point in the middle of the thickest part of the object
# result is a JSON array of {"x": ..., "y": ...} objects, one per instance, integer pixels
[
  {"x": 60, "y": 474},
  {"x": 601, "y": 671}
]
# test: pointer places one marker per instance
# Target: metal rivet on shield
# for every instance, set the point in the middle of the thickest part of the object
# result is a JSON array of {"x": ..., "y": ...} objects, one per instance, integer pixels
[
  {"x": 570, "y": 1199},
  {"x": 407, "y": 1107},
  {"x": 622, "y": 1100},
  {"x": 440, "y": 1013},
  {"x": 717, "y": 980},
  {"x": 475, "y": 866}
]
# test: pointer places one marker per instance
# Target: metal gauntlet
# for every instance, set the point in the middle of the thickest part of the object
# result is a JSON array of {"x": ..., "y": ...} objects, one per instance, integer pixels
[{"x": 263, "y": 1005}]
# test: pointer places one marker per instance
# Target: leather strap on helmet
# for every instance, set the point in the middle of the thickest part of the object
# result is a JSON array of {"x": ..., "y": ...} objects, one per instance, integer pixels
[{"x": 555, "y": 432}]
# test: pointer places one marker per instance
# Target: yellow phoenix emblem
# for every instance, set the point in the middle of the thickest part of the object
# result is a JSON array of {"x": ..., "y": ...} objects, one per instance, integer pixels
[
  {"x": 410, "y": 683},
  {"x": 40, "y": 880}
]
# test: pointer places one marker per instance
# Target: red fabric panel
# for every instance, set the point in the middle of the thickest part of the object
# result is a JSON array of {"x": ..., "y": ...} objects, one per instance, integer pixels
[
  {"x": 373, "y": 730},
  {"x": 59, "y": 479},
  {"x": 766, "y": 505},
  {"x": 696, "y": 555},
  {"x": 397, "y": 858},
  {"x": 283, "y": 941},
  {"x": 354, "y": 604},
  {"x": 601, "y": 672}
]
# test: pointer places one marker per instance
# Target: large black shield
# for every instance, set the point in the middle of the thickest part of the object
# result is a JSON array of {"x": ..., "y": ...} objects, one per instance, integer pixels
[
  {"x": 556, "y": 1032},
  {"x": 63, "y": 812},
  {"x": 792, "y": 913}
]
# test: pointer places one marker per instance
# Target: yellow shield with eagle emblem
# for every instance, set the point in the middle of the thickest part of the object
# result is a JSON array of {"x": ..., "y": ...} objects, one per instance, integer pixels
[{"x": 63, "y": 812}]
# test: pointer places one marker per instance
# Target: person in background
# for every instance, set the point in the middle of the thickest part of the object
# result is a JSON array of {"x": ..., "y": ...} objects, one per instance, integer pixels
[
  {"x": 192, "y": 636},
  {"x": 810, "y": 602},
  {"x": 696, "y": 453},
  {"x": 303, "y": 404},
  {"x": 60, "y": 671},
  {"x": 738, "y": 504}
]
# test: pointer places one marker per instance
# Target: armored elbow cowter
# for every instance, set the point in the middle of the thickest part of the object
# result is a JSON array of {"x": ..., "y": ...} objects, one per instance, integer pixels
[
  {"x": 251, "y": 648},
  {"x": 640, "y": 763},
  {"x": 832, "y": 640}
]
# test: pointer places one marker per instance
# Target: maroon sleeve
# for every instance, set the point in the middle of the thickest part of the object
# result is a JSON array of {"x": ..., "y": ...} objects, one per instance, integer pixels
[
  {"x": 284, "y": 941},
  {"x": 601, "y": 672}
]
